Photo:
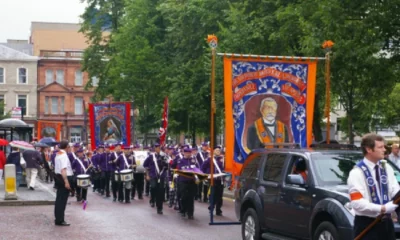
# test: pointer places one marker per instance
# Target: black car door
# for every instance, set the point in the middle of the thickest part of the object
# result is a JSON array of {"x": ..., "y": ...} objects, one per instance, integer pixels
[
  {"x": 270, "y": 189},
  {"x": 295, "y": 200}
]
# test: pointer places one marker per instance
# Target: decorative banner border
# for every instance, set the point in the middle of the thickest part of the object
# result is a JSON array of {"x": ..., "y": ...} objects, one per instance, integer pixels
[
  {"x": 53, "y": 129},
  {"x": 248, "y": 85},
  {"x": 110, "y": 123}
]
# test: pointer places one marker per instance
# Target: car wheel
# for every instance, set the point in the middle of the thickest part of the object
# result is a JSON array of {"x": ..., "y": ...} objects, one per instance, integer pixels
[
  {"x": 326, "y": 231},
  {"x": 250, "y": 225}
]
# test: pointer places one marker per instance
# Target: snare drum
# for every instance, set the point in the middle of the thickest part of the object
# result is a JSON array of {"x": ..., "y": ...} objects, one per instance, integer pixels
[
  {"x": 117, "y": 176},
  {"x": 83, "y": 180},
  {"x": 126, "y": 175}
]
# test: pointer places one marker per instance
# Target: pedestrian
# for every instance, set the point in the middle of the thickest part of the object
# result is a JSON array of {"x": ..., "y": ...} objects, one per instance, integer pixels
[
  {"x": 187, "y": 187},
  {"x": 113, "y": 160},
  {"x": 79, "y": 166},
  {"x": 2, "y": 163},
  {"x": 15, "y": 158},
  {"x": 156, "y": 166},
  {"x": 33, "y": 161},
  {"x": 372, "y": 185},
  {"x": 138, "y": 176},
  {"x": 218, "y": 163},
  {"x": 63, "y": 171},
  {"x": 394, "y": 156}
]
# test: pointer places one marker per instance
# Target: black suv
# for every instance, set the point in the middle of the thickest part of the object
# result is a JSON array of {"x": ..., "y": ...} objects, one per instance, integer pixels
[{"x": 297, "y": 194}]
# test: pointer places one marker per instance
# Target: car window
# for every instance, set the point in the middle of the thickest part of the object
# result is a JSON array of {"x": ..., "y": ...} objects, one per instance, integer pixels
[
  {"x": 251, "y": 166},
  {"x": 273, "y": 167},
  {"x": 297, "y": 165}
]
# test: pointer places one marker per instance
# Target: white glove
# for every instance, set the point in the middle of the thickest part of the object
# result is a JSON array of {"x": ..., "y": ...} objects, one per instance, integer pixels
[
  {"x": 390, "y": 207},
  {"x": 175, "y": 175}
]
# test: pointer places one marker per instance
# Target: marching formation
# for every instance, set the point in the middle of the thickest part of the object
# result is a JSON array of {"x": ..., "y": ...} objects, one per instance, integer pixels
[{"x": 171, "y": 174}]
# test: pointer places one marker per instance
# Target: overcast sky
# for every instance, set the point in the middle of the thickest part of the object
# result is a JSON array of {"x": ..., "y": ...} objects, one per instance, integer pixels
[{"x": 16, "y": 15}]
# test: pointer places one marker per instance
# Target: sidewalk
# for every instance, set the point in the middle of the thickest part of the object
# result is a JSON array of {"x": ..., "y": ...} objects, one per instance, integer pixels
[{"x": 42, "y": 195}]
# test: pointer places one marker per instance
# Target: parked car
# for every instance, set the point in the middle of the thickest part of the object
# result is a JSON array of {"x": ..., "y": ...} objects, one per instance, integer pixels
[{"x": 297, "y": 194}]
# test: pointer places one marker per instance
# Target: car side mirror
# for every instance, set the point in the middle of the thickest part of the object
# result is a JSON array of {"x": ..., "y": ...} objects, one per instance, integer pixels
[{"x": 295, "y": 179}]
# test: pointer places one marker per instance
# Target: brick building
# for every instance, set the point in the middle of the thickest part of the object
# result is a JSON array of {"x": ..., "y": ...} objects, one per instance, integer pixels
[{"x": 62, "y": 94}]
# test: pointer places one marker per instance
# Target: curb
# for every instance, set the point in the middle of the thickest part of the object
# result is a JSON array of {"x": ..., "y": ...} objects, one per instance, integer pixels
[{"x": 8, "y": 203}]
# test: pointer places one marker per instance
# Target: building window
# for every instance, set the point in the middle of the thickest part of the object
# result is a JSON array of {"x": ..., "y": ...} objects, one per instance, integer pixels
[
  {"x": 22, "y": 103},
  {"x": 95, "y": 81},
  {"x": 78, "y": 106},
  {"x": 2, "y": 104},
  {"x": 46, "y": 105},
  {"x": 49, "y": 76},
  {"x": 22, "y": 76},
  {"x": 76, "y": 134},
  {"x": 60, "y": 77},
  {"x": 2, "y": 75},
  {"x": 62, "y": 105},
  {"x": 54, "y": 105},
  {"x": 78, "y": 78}
]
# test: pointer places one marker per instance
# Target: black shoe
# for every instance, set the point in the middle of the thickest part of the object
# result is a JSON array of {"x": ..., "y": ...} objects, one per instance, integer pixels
[
  {"x": 159, "y": 212},
  {"x": 176, "y": 208},
  {"x": 152, "y": 204},
  {"x": 94, "y": 189},
  {"x": 190, "y": 217},
  {"x": 115, "y": 199},
  {"x": 121, "y": 201},
  {"x": 78, "y": 199},
  {"x": 127, "y": 201},
  {"x": 147, "y": 194},
  {"x": 108, "y": 195},
  {"x": 31, "y": 188},
  {"x": 63, "y": 224},
  {"x": 183, "y": 214},
  {"x": 219, "y": 214}
]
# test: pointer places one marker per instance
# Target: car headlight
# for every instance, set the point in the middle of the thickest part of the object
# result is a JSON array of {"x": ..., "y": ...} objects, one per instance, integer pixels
[{"x": 349, "y": 208}]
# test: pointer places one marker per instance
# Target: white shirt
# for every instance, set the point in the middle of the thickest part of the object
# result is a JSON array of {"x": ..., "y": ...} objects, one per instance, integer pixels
[
  {"x": 271, "y": 128},
  {"x": 357, "y": 184},
  {"x": 61, "y": 162}
]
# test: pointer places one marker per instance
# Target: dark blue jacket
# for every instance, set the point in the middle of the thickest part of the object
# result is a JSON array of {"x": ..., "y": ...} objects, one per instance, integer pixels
[{"x": 14, "y": 158}]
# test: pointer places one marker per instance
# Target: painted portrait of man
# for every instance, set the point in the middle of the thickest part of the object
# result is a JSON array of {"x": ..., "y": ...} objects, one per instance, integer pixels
[{"x": 267, "y": 128}]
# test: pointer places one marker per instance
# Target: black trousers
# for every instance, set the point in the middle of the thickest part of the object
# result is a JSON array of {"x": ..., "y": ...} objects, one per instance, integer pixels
[
  {"x": 199, "y": 191},
  {"x": 157, "y": 192},
  {"x": 114, "y": 185},
  {"x": 166, "y": 189},
  {"x": 187, "y": 193},
  {"x": 205, "y": 191},
  {"x": 147, "y": 188},
  {"x": 138, "y": 185},
  {"x": 105, "y": 182},
  {"x": 218, "y": 194},
  {"x": 382, "y": 230},
  {"x": 72, "y": 184},
  {"x": 81, "y": 193},
  {"x": 61, "y": 199},
  {"x": 124, "y": 192}
]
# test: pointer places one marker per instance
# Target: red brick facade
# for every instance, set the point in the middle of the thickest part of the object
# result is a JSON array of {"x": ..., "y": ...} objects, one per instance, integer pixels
[{"x": 61, "y": 95}]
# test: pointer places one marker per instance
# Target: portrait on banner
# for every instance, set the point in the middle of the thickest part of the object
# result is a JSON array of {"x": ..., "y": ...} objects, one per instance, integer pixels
[{"x": 109, "y": 123}]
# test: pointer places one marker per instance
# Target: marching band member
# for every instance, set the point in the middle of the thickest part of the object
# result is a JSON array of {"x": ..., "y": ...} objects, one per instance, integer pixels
[
  {"x": 105, "y": 166},
  {"x": 80, "y": 166},
  {"x": 168, "y": 152},
  {"x": 138, "y": 176},
  {"x": 96, "y": 172},
  {"x": 147, "y": 182},
  {"x": 372, "y": 185},
  {"x": 72, "y": 157},
  {"x": 218, "y": 162},
  {"x": 187, "y": 186},
  {"x": 172, "y": 182},
  {"x": 113, "y": 159},
  {"x": 156, "y": 166},
  {"x": 125, "y": 161},
  {"x": 201, "y": 157}
]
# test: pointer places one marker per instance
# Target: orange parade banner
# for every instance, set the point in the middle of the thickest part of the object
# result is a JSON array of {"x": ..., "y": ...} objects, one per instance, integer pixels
[
  {"x": 266, "y": 101},
  {"x": 49, "y": 129}
]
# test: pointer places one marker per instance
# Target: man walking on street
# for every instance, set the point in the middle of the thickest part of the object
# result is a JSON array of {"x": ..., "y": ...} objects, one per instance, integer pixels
[
  {"x": 33, "y": 160},
  {"x": 63, "y": 170}
]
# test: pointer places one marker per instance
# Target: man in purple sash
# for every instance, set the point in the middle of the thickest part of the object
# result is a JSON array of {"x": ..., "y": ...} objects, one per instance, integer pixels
[
  {"x": 156, "y": 166},
  {"x": 218, "y": 182},
  {"x": 124, "y": 161},
  {"x": 201, "y": 157},
  {"x": 372, "y": 185},
  {"x": 80, "y": 166},
  {"x": 104, "y": 158},
  {"x": 113, "y": 160}
]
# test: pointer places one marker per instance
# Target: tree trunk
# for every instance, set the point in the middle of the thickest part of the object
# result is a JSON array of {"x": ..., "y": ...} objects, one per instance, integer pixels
[
  {"x": 194, "y": 134},
  {"x": 350, "y": 128}
]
